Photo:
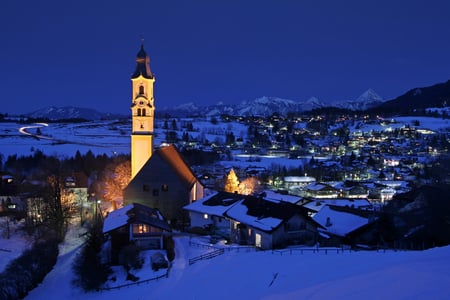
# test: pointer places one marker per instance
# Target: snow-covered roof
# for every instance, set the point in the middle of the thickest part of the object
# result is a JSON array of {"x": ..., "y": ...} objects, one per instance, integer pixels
[
  {"x": 215, "y": 204},
  {"x": 302, "y": 179},
  {"x": 318, "y": 204},
  {"x": 239, "y": 212},
  {"x": 264, "y": 214},
  {"x": 340, "y": 222},
  {"x": 272, "y": 195},
  {"x": 134, "y": 213}
]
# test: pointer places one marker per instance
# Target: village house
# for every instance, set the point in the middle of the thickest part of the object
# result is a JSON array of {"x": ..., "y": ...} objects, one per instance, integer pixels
[
  {"x": 136, "y": 224},
  {"x": 208, "y": 213},
  {"x": 270, "y": 224},
  {"x": 340, "y": 224},
  {"x": 321, "y": 190}
]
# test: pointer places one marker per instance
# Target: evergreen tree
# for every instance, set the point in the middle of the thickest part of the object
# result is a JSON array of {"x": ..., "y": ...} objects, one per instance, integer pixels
[{"x": 231, "y": 182}]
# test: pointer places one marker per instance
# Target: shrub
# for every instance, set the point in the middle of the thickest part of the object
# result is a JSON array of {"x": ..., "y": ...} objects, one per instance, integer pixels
[
  {"x": 89, "y": 270},
  {"x": 28, "y": 270}
]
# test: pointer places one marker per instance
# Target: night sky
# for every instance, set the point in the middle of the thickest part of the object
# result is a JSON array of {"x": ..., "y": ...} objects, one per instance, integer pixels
[{"x": 82, "y": 53}]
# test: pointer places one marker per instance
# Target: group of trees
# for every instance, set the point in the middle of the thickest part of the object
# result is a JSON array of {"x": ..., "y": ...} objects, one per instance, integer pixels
[{"x": 419, "y": 219}]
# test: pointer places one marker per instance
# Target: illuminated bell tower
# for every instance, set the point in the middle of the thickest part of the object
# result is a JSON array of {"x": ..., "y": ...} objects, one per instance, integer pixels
[{"x": 142, "y": 112}]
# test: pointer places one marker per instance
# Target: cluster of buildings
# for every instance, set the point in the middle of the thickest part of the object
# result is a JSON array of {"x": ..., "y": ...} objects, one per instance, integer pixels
[{"x": 349, "y": 174}]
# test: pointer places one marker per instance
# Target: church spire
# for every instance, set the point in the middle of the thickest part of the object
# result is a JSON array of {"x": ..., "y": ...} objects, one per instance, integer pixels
[{"x": 142, "y": 64}]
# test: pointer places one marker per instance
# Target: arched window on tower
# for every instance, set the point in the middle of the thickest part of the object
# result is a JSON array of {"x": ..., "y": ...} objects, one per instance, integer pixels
[
  {"x": 138, "y": 112},
  {"x": 141, "y": 90},
  {"x": 143, "y": 111}
]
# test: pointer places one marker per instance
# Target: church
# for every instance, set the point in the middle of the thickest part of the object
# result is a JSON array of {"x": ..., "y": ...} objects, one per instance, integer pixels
[{"x": 160, "y": 178}]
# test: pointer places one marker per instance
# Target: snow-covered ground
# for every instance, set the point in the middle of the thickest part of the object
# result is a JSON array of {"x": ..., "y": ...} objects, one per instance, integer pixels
[
  {"x": 271, "y": 275},
  {"x": 12, "y": 246},
  {"x": 109, "y": 137}
]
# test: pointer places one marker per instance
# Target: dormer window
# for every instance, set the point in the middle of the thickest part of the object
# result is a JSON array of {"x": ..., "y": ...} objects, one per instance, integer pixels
[{"x": 141, "y": 90}]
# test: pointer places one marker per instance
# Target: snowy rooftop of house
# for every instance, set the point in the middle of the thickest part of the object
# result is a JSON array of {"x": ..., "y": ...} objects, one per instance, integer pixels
[
  {"x": 239, "y": 212},
  {"x": 318, "y": 204},
  {"x": 340, "y": 222},
  {"x": 301, "y": 179},
  {"x": 264, "y": 214},
  {"x": 272, "y": 195},
  {"x": 316, "y": 186},
  {"x": 134, "y": 213},
  {"x": 215, "y": 204},
  {"x": 116, "y": 218}
]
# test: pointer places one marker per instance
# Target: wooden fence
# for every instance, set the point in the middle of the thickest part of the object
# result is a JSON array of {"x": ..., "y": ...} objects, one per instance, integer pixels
[{"x": 208, "y": 255}]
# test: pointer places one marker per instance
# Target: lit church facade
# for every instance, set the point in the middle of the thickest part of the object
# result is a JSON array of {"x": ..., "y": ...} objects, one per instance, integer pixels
[
  {"x": 142, "y": 112},
  {"x": 160, "y": 178}
]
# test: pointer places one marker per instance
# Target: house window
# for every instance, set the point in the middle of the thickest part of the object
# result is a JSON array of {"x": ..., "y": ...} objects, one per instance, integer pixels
[
  {"x": 145, "y": 188},
  {"x": 155, "y": 192},
  {"x": 141, "y": 90},
  {"x": 141, "y": 228},
  {"x": 165, "y": 188}
]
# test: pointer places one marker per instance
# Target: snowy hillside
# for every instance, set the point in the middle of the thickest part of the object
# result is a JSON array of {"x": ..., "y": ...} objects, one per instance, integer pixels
[{"x": 270, "y": 275}]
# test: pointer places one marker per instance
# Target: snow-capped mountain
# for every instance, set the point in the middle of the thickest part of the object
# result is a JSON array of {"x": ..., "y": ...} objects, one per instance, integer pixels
[
  {"x": 266, "y": 106},
  {"x": 263, "y": 106},
  {"x": 366, "y": 100},
  {"x": 312, "y": 103}
]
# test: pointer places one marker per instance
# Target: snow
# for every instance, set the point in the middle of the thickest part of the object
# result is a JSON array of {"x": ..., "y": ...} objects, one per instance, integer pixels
[
  {"x": 117, "y": 218},
  {"x": 271, "y": 275},
  {"x": 341, "y": 223},
  {"x": 11, "y": 247}
]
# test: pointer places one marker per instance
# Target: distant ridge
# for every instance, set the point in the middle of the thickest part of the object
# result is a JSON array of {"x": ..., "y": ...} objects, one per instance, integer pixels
[
  {"x": 266, "y": 106},
  {"x": 437, "y": 95},
  {"x": 70, "y": 112}
]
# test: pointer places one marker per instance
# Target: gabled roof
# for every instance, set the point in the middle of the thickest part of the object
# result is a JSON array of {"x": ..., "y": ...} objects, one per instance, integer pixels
[
  {"x": 339, "y": 221},
  {"x": 134, "y": 213},
  {"x": 264, "y": 214},
  {"x": 215, "y": 204},
  {"x": 173, "y": 158},
  {"x": 319, "y": 186}
]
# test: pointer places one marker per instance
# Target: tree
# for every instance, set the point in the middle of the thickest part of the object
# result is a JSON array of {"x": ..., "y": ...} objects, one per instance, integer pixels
[
  {"x": 249, "y": 186},
  {"x": 115, "y": 178},
  {"x": 231, "y": 182}
]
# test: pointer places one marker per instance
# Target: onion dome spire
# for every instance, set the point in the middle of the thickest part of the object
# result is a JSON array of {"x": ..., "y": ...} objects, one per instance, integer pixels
[{"x": 142, "y": 64}]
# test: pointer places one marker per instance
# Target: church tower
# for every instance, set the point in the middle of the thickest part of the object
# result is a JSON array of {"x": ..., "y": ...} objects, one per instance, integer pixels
[{"x": 142, "y": 112}]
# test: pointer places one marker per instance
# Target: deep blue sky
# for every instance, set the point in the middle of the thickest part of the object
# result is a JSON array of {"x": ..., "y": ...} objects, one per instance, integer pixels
[{"x": 82, "y": 53}]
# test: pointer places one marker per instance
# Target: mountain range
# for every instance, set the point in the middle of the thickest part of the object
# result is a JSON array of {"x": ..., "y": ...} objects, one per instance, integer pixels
[
  {"x": 437, "y": 95},
  {"x": 266, "y": 106}
]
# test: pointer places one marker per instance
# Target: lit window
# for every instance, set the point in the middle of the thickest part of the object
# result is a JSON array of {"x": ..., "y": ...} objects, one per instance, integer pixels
[
  {"x": 205, "y": 216},
  {"x": 141, "y": 228}
]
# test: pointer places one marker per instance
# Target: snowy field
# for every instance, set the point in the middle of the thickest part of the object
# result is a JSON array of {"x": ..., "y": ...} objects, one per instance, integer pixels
[
  {"x": 267, "y": 275},
  {"x": 11, "y": 244},
  {"x": 113, "y": 137}
]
